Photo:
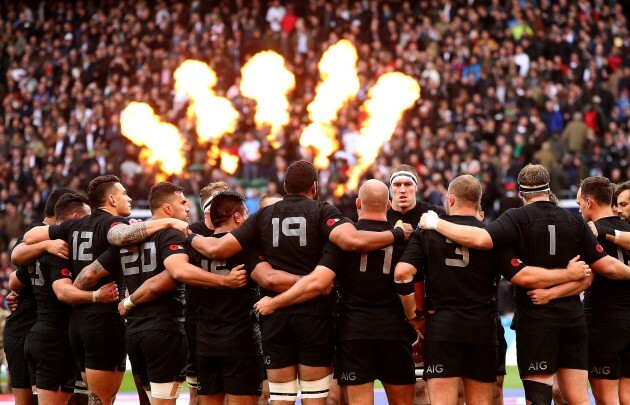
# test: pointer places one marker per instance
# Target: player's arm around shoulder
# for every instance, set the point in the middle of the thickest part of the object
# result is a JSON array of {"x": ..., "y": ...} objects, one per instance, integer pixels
[
  {"x": 467, "y": 236},
  {"x": 308, "y": 287},
  {"x": 179, "y": 267},
  {"x": 272, "y": 279},
  {"x": 347, "y": 237},
  {"x": 618, "y": 237},
  {"x": 215, "y": 248}
]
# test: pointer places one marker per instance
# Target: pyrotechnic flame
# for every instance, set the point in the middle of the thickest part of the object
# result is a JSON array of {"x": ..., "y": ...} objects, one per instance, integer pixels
[
  {"x": 229, "y": 162},
  {"x": 392, "y": 94},
  {"x": 266, "y": 80},
  {"x": 339, "y": 84},
  {"x": 163, "y": 142},
  {"x": 215, "y": 116}
]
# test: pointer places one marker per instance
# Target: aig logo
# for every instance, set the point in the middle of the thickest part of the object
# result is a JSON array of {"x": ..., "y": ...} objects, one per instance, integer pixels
[
  {"x": 540, "y": 365},
  {"x": 267, "y": 360},
  {"x": 349, "y": 376},
  {"x": 600, "y": 370},
  {"x": 435, "y": 368}
]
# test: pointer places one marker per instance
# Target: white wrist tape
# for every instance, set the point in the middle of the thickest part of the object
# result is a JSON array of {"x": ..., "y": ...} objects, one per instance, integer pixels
[
  {"x": 127, "y": 304},
  {"x": 432, "y": 220},
  {"x": 169, "y": 390},
  {"x": 95, "y": 295},
  {"x": 617, "y": 235}
]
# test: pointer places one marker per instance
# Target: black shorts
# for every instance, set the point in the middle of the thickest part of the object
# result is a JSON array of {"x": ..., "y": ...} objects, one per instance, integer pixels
[
  {"x": 544, "y": 351},
  {"x": 501, "y": 349},
  {"x": 454, "y": 359},
  {"x": 608, "y": 349},
  {"x": 230, "y": 375},
  {"x": 98, "y": 340},
  {"x": 190, "y": 326},
  {"x": 157, "y": 356},
  {"x": 297, "y": 339},
  {"x": 19, "y": 373},
  {"x": 363, "y": 361},
  {"x": 51, "y": 356}
]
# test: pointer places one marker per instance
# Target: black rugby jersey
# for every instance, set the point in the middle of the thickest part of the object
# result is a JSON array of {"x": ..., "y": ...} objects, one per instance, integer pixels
[
  {"x": 227, "y": 325},
  {"x": 460, "y": 283},
  {"x": 368, "y": 307},
  {"x": 51, "y": 313},
  {"x": 139, "y": 263},
  {"x": 192, "y": 298},
  {"x": 20, "y": 321},
  {"x": 87, "y": 240},
  {"x": 291, "y": 234},
  {"x": 546, "y": 235},
  {"x": 605, "y": 297},
  {"x": 412, "y": 216}
]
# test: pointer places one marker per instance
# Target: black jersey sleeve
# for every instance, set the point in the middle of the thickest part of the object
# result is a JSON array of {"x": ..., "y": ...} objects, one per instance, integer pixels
[
  {"x": 171, "y": 242},
  {"x": 414, "y": 253},
  {"x": 59, "y": 268},
  {"x": 507, "y": 261},
  {"x": 330, "y": 218},
  {"x": 252, "y": 256},
  {"x": 590, "y": 250},
  {"x": 23, "y": 275},
  {"x": 246, "y": 233},
  {"x": 61, "y": 231},
  {"x": 110, "y": 260},
  {"x": 504, "y": 230},
  {"x": 331, "y": 257}
]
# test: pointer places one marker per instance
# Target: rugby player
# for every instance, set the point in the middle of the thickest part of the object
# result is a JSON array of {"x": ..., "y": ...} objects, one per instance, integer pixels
[
  {"x": 403, "y": 185},
  {"x": 297, "y": 341},
  {"x": 164, "y": 250},
  {"x": 20, "y": 321},
  {"x": 461, "y": 336},
  {"x": 607, "y": 303},
  {"x": 372, "y": 340},
  {"x": 202, "y": 227},
  {"x": 550, "y": 338},
  {"x": 101, "y": 356},
  {"x": 622, "y": 199},
  {"x": 47, "y": 345}
]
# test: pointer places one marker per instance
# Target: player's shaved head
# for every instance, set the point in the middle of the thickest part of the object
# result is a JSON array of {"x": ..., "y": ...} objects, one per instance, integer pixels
[
  {"x": 466, "y": 189},
  {"x": 597, "y": 188},
  {"x": 269, "y": 199},
  {"x": 374, "y": 196}
]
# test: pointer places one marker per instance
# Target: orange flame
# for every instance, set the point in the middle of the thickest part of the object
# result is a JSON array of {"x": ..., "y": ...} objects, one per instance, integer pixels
[
  {"x": 392, "y": 94},
  {"x": 340, "y": 83},
  {"x": 267, "y": 81},
  {"x": 229, "y": 162},
  {"x": 163, "y": 142},
  {"x": 215, "y": 116}
]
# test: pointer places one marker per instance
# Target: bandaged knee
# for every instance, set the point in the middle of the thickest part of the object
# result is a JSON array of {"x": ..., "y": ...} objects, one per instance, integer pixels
[
  {"x": 538, "y": 392},
  {"x": 286, "y": 391},
  {"x": 317, "y": 388},
  {"x": 169, "y": 390}
]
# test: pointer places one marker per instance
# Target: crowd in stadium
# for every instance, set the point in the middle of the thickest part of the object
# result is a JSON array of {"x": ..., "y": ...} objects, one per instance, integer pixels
[{"x": 503, "y": 84}]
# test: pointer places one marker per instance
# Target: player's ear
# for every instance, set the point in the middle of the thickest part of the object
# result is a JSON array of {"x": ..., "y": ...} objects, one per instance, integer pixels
[
  {"x": 166, "y": 207},
  {"x": 389, "y": 204},
  {"x": 357, "y": 203},
  {"x": 112, "y": 201}
]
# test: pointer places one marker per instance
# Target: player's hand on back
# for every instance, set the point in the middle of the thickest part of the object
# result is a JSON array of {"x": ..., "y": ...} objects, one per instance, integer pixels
[
  {"x": 265, "y": 306},
  {"x": 407, "y": 228},
  {"x": 429, "y": 220},
  {"x": 578, "y": 269},
  {"x": 540, "y": 296},
  {"x": 108, "y": 293},
  {"x": 122, "y": 310},
  {"x": 236, "y": 278},
  {"x": 134, "y": 221},
  {"x": 58, "y": 248},
  {"x": 13, "y": 300},
  {"x": 417, "y": 351}
]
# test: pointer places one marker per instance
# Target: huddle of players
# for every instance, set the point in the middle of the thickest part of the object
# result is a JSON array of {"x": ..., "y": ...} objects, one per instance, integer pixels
[{"x": 296, "y": 234}]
